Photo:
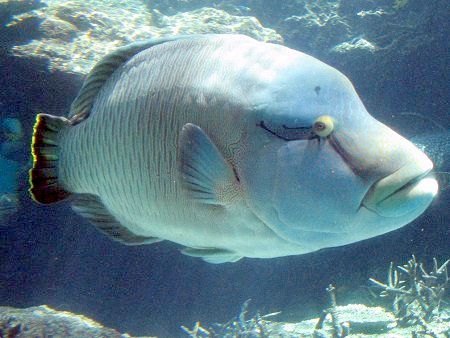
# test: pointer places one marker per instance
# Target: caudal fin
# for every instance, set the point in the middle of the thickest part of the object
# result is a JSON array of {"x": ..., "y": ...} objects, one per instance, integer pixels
[{"x": 44, "y": 185}]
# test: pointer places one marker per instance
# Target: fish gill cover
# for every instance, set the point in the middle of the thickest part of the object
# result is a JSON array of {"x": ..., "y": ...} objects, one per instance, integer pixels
[{"x": 395, "y": 53}]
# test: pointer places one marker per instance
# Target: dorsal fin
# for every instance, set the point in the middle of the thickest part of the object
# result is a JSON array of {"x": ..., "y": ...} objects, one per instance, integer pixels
[{"x": 104, "y": 68}]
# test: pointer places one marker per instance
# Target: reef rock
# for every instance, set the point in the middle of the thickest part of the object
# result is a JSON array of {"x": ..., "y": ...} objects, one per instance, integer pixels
[
  {"x": 316, "y": 26},
  {"x": 74, "y": 35},
  {"x": 43, "y": 321},
  {"x": 212, "y": 20},
  {"x": 312, "y": 26}
]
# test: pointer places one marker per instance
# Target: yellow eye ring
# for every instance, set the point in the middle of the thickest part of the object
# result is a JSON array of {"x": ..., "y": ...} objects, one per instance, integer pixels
[{"x": 323, "y": 126}]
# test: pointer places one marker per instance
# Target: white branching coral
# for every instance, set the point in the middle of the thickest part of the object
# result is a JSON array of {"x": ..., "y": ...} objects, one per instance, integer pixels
[{"x": 417, "y": 294}]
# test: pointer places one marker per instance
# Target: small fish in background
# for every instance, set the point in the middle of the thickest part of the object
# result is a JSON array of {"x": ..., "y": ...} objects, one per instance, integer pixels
[
  {"x": 9, "y": 201},
  {"x": 11, "y": 142},
  {"x": 8, "y": 206},
  {"x": 11, "y": 137},
  {"x": 437, "y": 147},
  {"x": 230, "y": 147},
  {"x": 9, "y": 174},
  {"x": 435, "y": 142}
]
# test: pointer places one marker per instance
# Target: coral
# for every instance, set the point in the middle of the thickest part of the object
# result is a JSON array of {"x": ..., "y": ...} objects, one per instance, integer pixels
[
  {"x": 243, "y": 327},
  {"x": 240, "y": 326},
  {"x": 197, "y": 331},
  {"x": 340, "y": 329},
  {"x": 335, "y": 321},
  {"x": 417, "y": 294}
]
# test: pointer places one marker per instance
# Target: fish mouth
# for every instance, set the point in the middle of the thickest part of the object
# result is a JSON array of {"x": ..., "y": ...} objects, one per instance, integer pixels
[{"x": 408, "y": 189}]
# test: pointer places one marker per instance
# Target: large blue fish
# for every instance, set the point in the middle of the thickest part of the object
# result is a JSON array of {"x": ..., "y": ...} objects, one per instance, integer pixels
[{"x": 230, "y": 147}]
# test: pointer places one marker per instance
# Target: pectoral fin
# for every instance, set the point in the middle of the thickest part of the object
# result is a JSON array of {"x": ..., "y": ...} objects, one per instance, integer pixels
[
  {"x": 206, "y": 175},
  {"x": 212, "y": 255}
]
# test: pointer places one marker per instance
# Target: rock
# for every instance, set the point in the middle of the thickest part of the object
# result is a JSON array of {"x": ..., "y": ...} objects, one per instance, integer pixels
[
  {"x": 14, "y": 7},
  {"x": 43, "y": 321},
  {"x": 363, "y": 319},
  {"x": 58, "y": 29},
  {"x": 75, "y": 34},
  {"x": 355, "y": 45}
]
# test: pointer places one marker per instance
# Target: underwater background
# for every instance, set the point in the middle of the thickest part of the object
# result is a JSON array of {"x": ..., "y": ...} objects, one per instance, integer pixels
[{"x": 396, "y": 53}]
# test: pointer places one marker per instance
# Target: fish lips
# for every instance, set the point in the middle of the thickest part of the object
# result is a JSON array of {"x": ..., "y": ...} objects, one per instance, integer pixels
[{"x": 409, "y": 189}]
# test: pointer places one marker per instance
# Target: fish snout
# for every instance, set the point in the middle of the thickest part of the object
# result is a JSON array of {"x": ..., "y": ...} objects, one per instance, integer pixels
[{"x": 410, "y": 188}]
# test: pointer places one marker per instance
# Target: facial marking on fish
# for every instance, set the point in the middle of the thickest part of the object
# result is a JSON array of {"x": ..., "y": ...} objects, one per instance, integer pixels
[
  {"x": 340, "y": 145},
  {"x": 300, "y": 133}
]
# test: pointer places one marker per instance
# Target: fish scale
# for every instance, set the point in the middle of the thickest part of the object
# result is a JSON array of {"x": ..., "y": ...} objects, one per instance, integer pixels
[{"x": 157, "y": 151}]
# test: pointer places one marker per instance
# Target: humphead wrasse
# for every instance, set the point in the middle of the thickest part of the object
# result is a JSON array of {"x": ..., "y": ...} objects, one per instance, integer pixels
[{"x": 230, "y": 147}]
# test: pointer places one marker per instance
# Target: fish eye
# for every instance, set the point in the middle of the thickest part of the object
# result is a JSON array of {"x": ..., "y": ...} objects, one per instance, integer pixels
[{"x": 323, "y": 126}]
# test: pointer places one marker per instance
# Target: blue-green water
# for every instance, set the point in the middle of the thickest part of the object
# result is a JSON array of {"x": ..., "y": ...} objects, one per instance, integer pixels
[{"x": 52, "y": 256}]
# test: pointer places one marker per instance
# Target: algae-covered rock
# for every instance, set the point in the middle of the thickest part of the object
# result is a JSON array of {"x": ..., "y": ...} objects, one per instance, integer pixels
[{"x": 74, "y": 35}]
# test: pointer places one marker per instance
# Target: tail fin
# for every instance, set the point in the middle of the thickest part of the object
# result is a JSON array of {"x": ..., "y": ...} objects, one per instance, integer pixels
[{"x": 44, "y": 185}]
